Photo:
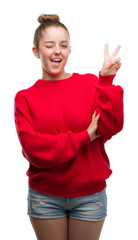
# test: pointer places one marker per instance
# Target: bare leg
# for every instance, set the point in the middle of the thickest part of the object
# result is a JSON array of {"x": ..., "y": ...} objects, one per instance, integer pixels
[
  {"x": 82, "y": 230},
  {"x": 50, "y": 229}
]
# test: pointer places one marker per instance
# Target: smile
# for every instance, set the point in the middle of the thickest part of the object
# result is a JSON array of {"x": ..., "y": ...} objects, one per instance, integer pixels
[{"x": 56, "y": 60}]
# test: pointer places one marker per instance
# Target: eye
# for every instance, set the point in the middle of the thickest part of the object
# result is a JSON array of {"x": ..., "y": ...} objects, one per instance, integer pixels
[
  {"x": 50, "y": 46},
  {"x": 64, "y": 46}
]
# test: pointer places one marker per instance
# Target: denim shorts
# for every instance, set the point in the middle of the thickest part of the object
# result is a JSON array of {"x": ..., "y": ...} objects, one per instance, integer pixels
[{"x": 91, "y": 207}]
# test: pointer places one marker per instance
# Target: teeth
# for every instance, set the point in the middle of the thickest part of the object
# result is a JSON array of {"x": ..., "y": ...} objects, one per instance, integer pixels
[{"x": 56, "y": 60}]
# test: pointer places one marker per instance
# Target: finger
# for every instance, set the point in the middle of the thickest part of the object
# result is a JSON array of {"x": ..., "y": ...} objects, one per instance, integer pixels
[
  {"x": 98, "y": 135},
  {"x": 94, "y": 117},
  {"x": 95, "y": 136},
  {"x": 116, "y": 60},
  {"x": 118, "y": 65},
  {"x": 97, "y": 117},
  {"x": 106, "y": 53},
  {"x": 116, "y": 51},
  {"x": 94, "y": 113}
]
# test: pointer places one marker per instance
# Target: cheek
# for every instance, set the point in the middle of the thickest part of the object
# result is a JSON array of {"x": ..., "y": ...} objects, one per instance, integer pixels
[
  {"x": 45, "y": 57},
  {"x": 45, "y": 53},
  {"x": 66, "y": 55},
  {"x": 69, "y": 52},
  {"x": 44, "y": 62}
]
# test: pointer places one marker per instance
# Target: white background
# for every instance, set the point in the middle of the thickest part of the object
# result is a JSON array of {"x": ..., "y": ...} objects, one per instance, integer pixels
[{"x": 91, "y": 24}]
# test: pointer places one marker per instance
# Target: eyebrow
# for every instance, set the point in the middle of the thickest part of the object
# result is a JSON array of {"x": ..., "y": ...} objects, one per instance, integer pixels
[{"x": 53, "y": 41}]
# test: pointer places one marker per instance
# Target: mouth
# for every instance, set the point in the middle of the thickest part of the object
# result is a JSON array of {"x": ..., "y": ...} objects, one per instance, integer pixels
[{"x": 56, "y": 60}]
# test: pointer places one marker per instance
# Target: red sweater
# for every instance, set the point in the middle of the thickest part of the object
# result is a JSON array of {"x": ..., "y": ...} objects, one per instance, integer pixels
[{"x": 52, "y": 118}]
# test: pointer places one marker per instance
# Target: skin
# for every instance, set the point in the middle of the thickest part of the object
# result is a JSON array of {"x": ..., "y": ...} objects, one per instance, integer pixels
[
  {"x": 111, "y": 64},
  {"x": 66, "y": 229},
  {"x": 55, "y": 43}
]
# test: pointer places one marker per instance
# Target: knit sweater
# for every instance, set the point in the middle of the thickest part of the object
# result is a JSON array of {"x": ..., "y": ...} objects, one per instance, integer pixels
[{"x": 52, "y": 117}]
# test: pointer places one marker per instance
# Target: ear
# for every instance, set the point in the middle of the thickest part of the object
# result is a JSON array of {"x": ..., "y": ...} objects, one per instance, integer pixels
[{"x": 36, "y": 52}]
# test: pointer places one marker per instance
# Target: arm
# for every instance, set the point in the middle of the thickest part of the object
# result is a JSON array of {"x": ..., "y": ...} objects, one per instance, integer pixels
[
  {"x": 41, "y": 149},
  {"x": 109, "y": 104},
  {"x": 109, "y": 99}
]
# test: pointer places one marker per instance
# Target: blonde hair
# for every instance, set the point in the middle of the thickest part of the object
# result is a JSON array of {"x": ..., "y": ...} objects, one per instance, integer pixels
[{"x": 47, "y": 20}]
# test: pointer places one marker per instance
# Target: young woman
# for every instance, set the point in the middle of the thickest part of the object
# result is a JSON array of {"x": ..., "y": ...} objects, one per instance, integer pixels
[{"x": 62, "y": 122}]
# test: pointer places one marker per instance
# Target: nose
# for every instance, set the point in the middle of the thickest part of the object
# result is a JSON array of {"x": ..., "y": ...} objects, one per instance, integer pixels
[{"x": 57, "y": 49}]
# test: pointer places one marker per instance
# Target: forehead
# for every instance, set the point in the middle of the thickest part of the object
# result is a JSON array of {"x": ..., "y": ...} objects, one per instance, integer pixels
[{"x": 55, "y": 34}]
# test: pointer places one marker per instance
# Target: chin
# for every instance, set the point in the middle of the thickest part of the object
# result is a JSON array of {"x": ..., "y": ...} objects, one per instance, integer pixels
[{"x": 55, "y": 73}]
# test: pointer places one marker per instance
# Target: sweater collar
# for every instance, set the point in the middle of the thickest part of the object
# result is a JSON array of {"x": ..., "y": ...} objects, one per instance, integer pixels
[{"x": 42, "y": 82}]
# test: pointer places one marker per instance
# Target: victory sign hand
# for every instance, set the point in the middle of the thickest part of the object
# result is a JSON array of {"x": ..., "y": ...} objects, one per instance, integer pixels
[{"x": 111, "y": 64}]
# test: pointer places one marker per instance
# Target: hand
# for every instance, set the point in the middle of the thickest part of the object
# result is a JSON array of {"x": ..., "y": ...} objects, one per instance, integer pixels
[
  {"x": 111, "y": 64},
  {"x": 93, "y": 127}
]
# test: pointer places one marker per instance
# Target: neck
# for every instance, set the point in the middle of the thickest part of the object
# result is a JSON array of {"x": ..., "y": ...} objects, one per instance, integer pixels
[{"x": 63, "y": 75}]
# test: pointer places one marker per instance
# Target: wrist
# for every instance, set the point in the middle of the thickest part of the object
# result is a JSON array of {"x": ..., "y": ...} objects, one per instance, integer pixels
[
  {"x": 106, "y": 80},
  {"x": 103, "y": 73}
]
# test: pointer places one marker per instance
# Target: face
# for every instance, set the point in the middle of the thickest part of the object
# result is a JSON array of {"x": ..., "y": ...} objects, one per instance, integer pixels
[{"x": 54, "y": 50}]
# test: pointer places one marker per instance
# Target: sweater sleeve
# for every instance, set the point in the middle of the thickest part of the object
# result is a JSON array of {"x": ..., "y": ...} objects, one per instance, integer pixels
[
  {"x": 41, "y": 149},
  {"x": 109, "y": 103}
]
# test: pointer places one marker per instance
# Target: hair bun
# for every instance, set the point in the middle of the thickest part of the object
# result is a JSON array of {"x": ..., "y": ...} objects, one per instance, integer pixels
[{"x": 48, "y": 17}]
